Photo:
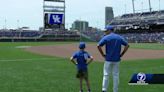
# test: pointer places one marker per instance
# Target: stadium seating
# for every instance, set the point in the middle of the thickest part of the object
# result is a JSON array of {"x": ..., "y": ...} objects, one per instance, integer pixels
[
  {"x": 144, "y": 37},
  {"x": 94, "y": 35},
  {"x": 133, "y": 19},
  {"x": 157, "y": 37},
  {"x": 31, "y": 35},
  {"x": 19, "y": 34}
]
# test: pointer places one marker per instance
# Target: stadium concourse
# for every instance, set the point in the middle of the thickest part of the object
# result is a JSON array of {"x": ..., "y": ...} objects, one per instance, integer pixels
[{"x": 95, "y": 35}]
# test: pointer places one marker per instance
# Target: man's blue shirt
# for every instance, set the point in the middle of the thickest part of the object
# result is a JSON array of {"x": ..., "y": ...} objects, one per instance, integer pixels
[
  {"x": 113, "y": 43},
  {"x": 81, "y": 58}
]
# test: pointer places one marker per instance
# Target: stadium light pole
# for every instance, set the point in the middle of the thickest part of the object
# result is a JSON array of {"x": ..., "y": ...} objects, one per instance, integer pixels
[
  {"x": 5, "y": 23},
  {"x": 150, "y": 6},
  {"x": 142, "y": 6},
  {"x": 80, "y": 32},
  {"x": 64, "y": 14},
  {"x": 17, "y": 24},
  {"x": 43, "y": 16},
  {"x": 80, "y": 29},
  {"x": 133, "y": 6},
  {"x": 125, "y": 8},
  {"x": 159, "y": 5}
]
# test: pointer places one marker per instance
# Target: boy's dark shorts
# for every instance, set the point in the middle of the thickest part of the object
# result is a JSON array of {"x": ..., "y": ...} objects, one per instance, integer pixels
[{"x": 82, "y": 74}]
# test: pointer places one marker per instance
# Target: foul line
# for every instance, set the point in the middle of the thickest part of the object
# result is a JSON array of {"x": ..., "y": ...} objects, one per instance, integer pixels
[{"x": 29, "y": 59}]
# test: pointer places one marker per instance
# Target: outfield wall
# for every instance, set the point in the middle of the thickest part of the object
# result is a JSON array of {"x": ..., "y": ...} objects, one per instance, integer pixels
[{"x": 39, "y": 39}]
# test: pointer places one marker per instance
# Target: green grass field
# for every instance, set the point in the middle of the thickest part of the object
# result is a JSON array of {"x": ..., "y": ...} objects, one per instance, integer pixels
[{"x": 22, "y": 71}]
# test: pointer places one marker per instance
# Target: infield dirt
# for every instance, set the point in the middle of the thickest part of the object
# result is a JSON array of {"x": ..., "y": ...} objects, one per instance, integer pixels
[{"x": 67, "y": 50}]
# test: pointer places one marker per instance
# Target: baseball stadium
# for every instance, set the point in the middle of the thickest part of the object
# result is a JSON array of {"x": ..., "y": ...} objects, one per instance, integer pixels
[{"x": 39, "y": 60}]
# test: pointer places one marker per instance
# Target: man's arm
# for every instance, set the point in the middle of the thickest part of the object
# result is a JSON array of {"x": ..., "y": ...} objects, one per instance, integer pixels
[
  {"x": 90, "y": 60},
  {"x": 124, "y": 51},
  {"x": 73, "y": 61},
  {"x": 101, "y": 51}
]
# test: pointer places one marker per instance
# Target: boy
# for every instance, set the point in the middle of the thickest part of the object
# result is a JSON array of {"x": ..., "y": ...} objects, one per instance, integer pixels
[{"x": 82, "y": 59}]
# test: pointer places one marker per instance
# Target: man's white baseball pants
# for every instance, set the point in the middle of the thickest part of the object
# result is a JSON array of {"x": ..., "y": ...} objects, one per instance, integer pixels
[{"x": 111, "y": 67}]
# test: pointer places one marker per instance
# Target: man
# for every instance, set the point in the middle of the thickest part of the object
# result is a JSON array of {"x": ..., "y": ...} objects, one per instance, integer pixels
[{"x": 113, "y": 43}]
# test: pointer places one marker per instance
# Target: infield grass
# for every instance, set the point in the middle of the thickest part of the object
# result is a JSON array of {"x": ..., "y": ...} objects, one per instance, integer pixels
[{"x": 36, "y": 73}]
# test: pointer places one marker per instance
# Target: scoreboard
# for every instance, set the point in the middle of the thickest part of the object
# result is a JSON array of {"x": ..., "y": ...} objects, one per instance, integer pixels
[
  {"x": 54, "y": 14},
  {"x": 53, "y": 20}
]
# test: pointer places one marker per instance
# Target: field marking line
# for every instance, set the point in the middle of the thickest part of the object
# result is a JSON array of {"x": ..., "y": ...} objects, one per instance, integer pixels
[
  {"x": 29, "y": 59},
  {"x": 22, "y": 47}
]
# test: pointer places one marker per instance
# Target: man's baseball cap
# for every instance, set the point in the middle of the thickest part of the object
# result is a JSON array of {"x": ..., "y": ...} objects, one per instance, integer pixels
[
  {"x": 82, "y": 45},
  {"x": 109, "y": 28}
]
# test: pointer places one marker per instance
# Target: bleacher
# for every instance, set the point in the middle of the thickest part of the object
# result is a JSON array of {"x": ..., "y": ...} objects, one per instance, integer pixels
[
  {"x": 19, "y": 34},
  {"x": 35, "y": 35},
  {"x": 93, "y": 35},
  {"x": 146, "y": 27},
  {"x": 144, "y": 37}
]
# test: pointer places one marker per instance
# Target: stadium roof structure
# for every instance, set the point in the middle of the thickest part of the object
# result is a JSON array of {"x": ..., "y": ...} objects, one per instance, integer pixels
[{"x": 144, "y": 20}]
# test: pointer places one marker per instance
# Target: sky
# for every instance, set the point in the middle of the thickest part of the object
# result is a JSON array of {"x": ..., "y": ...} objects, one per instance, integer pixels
[{"x": 29, "y": 13}]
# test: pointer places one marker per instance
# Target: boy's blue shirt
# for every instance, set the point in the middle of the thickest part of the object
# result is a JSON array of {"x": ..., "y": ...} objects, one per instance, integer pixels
[{"x": 81, "y": 58}]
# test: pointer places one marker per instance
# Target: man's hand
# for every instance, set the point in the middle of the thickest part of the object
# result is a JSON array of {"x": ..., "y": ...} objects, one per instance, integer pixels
[{"x": 104, "y": 56}]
